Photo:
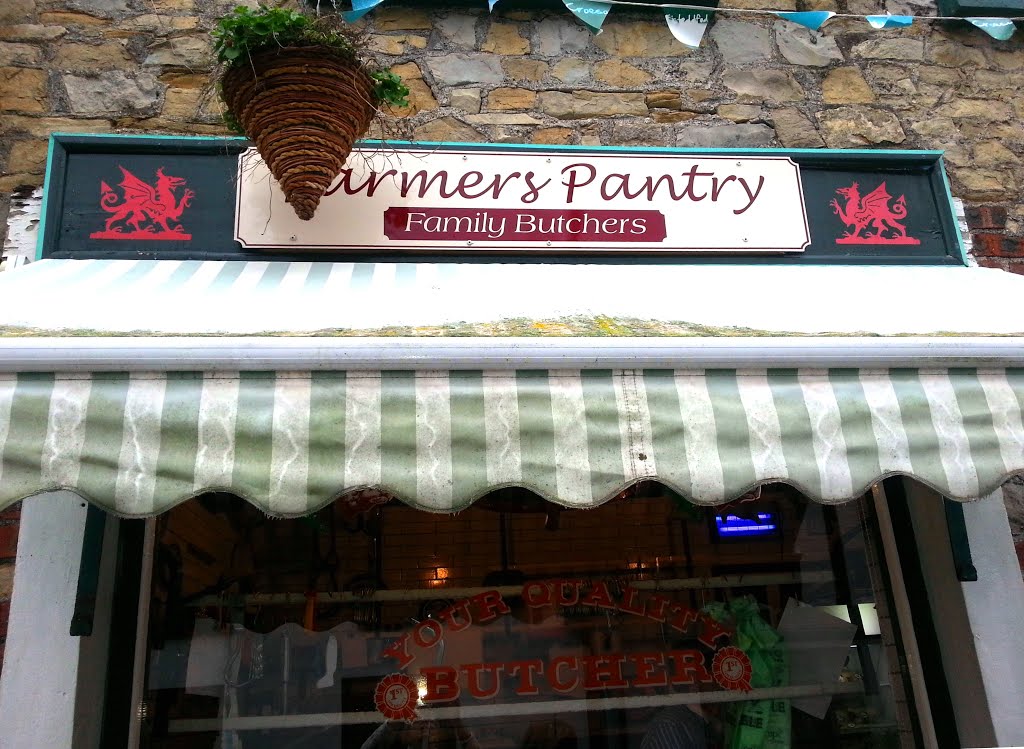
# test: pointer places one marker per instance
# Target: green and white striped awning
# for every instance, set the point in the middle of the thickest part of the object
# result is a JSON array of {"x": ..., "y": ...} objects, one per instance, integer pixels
[
  {"x": 292, "y": 383},
  {"x": 290, "y": 442}
]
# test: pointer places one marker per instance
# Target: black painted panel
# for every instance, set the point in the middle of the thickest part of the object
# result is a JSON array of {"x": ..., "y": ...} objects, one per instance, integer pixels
[{"x": 95, "y": 182}]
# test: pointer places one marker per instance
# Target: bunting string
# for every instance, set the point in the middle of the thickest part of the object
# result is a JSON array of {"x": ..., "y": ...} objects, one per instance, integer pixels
[
  {"x": 688, "y": 22},
  {"x": 755, "y": 11}
]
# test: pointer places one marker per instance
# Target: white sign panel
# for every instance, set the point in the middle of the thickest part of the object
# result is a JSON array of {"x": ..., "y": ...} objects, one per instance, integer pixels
[{"x": 476, "y": 200}]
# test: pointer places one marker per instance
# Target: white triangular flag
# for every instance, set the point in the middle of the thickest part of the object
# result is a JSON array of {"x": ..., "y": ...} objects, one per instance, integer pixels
[{"x": 688, "y": 26}]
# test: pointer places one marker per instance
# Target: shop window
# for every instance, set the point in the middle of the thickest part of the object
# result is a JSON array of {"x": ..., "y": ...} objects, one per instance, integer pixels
[{"x": 517, "y": 624}]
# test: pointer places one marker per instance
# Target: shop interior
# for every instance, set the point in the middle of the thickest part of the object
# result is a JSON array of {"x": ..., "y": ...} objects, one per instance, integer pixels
[{"x": 520, "y": 624}]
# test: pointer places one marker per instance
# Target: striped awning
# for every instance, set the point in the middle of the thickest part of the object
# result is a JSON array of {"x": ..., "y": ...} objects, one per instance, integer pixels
[{"x": 290, "y": 442}]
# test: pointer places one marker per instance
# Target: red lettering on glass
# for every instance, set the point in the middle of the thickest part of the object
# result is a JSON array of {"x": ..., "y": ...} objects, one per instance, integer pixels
[
  {"x": 555, "y": 678},
  {"x": 688, "y": 667},
  {"x": 527, "y": 672},
  {"x": 399, "y": 650},
  {"x": 682, "y": 616},
  {"x": 427, "y": 633},
  {"x": 648, "y": 669},
  {"x": 710, "y": 631},
  {"x": 656, "y": 608},
  {"x": 489, "y": 606},
  {"x": 536, "y": 594},
  {"x": 441, "y": 684},
  {"x": 599, "y": 596},
  {"x": 603, "y": 671},
  {"x": 451, "y": 623},
  {"x": 629, "y": 604},
  {"x": 475, "y": 673}
]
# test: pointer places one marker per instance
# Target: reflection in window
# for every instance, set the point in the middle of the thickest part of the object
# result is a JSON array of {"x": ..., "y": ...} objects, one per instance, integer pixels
[{"x": 521, "y": 625}]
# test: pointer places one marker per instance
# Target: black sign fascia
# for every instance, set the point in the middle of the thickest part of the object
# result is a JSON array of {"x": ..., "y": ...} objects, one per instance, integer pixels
[{"x": 87, "y": 177}]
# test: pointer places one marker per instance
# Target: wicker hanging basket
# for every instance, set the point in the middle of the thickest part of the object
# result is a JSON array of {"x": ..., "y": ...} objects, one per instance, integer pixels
[{"x": 304, "y": 108}]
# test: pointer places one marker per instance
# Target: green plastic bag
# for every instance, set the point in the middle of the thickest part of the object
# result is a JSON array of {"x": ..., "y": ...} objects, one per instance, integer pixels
[{"x": 756, "y": 724}]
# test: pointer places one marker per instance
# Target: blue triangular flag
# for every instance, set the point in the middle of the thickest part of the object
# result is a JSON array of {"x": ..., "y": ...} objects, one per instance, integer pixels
[
  {"x": 889, "y": 21},
  {"x": 591, "y": 13},
  {"x": 359, "y": 9},
  {"x": 812, "y": 19},
  {"x": 491, "y": 4},
  {"x": 997, "y": 28}
]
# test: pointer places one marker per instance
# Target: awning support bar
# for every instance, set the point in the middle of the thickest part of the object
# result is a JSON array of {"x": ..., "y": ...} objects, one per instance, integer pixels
[
  {"x": 959, "y": 544},
  {"x": 262, "y": 353},
  {"x": 89, "y": 572}
]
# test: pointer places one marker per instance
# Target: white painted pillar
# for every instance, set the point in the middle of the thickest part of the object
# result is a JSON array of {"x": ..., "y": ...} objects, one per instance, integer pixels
[
  {"x": 978, "y": 623},
  {"x": 995, "y": 608},
  {"x": 41, "y": 669}
]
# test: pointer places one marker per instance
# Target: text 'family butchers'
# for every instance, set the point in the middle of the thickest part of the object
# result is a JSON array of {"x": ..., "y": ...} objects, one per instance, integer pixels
[{"x": 579, "y": 183}]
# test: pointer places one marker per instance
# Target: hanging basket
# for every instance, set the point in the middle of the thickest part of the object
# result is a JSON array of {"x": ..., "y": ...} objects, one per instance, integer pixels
[{"x": 304, "y": 108}]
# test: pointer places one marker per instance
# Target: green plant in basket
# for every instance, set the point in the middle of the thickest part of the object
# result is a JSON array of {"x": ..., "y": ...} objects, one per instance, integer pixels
[{"x": 300, "y": 87}]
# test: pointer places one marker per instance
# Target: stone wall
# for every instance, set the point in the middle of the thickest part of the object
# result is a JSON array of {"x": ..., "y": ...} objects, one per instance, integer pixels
[{"x": 521, "y": 76}]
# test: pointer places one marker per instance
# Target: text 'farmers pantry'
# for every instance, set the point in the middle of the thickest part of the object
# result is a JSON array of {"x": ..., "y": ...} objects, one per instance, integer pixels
[{"x": 581, "y": 181}]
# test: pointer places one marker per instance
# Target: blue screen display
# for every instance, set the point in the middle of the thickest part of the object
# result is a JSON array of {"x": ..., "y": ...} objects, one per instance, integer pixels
[{"x": 758, "y": 524}]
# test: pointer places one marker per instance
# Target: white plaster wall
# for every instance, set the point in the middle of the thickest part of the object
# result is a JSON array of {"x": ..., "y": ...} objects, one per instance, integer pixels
[{"x": 22, "y": 229}]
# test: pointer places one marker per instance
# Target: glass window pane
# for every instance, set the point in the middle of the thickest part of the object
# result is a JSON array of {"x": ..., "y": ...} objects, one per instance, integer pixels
[{"x": 518, "y": 624}]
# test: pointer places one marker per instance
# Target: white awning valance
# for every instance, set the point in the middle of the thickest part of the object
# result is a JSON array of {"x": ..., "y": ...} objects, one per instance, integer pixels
[
  {"x": 251, "y": 298},
  {"x": 290, "y": 442}
]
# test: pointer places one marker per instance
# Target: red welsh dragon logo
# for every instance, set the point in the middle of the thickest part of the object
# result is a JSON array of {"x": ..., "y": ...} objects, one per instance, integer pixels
[
  {"x": 144, "y": 211},
  {"x": 870, "y": 218}
]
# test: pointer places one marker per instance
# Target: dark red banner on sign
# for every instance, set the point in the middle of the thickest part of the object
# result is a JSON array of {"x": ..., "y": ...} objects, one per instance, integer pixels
[{"x": 523, "y": 225}]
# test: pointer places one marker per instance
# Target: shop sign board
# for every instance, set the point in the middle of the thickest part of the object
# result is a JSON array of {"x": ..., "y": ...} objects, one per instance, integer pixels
[
  {"x": 529, "y": 201},
  {"x": 199, "y": 198}
]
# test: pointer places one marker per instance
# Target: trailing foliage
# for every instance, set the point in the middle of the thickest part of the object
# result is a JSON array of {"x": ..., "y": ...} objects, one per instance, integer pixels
[
  {"x": 245, "y": 32},
  {"x": 390, "y": 89}
]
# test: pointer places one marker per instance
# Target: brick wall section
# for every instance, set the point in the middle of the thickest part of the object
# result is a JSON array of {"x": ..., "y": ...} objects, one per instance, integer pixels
[
  {"x": 8, "y": 549},
  {"x": 994, "y": 246}
]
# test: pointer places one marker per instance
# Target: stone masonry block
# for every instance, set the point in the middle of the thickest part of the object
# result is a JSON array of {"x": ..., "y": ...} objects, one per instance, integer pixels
[
  {"x": 585, "y": 104},
  {"x": 16, "y": 11},
  {"x": 23, "y": 90},
  {"x": 505, "y": 39},
  {"x": 114, "y": 91}
]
